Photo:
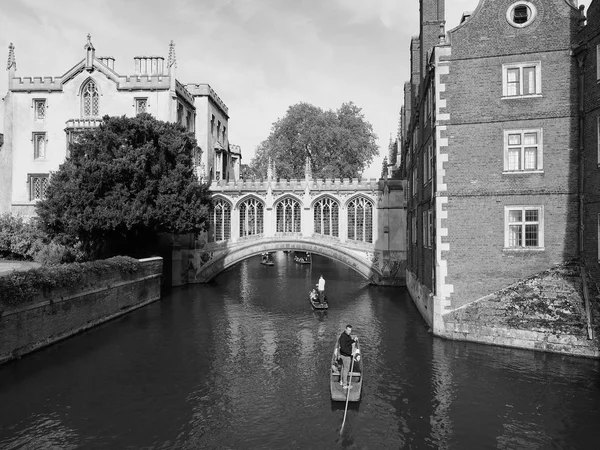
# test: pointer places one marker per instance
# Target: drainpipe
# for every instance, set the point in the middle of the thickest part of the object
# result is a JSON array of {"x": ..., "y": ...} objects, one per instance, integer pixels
[{"x": 580, "y": 53}]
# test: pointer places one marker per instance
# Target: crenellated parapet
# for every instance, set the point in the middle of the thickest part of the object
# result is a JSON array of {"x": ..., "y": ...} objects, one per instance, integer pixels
[
  {"x": 329, "y": 184},
  {"x": 204, "y": 90}
]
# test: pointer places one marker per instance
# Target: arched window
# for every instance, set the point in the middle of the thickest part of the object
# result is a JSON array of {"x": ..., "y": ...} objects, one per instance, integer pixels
[
  {"x": 326, "y": 214},
  {"x": 251, "y": 217},
  {"x": 90, "y": 100},
  {"x": 288, "y": 216},
  {"x": 221, "y": 220},
  {"x": 360, "y": 219}
]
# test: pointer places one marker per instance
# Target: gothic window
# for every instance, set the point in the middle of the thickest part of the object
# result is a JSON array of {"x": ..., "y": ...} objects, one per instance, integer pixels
[
  {"x": 326, "y": 217},
  {"x": 39, "y": 145},
  {"x": 360, "y": 219},
  {"x": 141, "y": 105},
  {"x": 90, "y": 100},
  {"x": 39, "y": 105},
  {"x": 288, "y": 216},
  {"x": 221, "y": 220},
  {"x": 38, "y": 183},
  {"x": 251, "y": 217}
]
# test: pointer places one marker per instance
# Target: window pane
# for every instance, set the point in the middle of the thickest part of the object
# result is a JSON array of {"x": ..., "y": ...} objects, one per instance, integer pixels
[
  {"x": 528, "y": 80},
  {"x": 514, "y": 236},
  {"x": 512, "y": 85},
  {"x": 514, "y": 158},
  {"x": 514, "y": 139},
  {"x": 530, "y": 138},
  {"x": 530, "y": 158},
  {"x": 515, "y": 215},
  {"x": 531, "y": 235},
  {"x": 531, "y": 215}
]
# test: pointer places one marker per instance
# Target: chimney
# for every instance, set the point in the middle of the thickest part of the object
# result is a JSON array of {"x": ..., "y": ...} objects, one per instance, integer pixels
[
  {"x": 415, "y": 66},
  {"x": 432, "y": 21}
]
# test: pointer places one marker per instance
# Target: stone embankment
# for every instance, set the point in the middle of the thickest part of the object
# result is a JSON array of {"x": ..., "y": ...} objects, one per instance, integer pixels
[
  {"x": 32, "y": 320},
  {"x": 544, "y": 312}
]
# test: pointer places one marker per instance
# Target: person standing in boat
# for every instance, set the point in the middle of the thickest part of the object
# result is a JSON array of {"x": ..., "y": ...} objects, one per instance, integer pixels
[
  {"x": 321, "y": 288},
  {"x": 346, "y": 344}
]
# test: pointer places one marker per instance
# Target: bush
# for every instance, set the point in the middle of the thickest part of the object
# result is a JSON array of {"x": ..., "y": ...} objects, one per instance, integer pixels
[
  {"x": 20, "y": 287},
  {"x": 26, "y": 240},
  {"x": 19, "y": 239}
]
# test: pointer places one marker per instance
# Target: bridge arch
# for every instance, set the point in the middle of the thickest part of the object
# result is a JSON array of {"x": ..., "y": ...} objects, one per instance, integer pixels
[
  {"x": 244, "y": 198},
  {"x": 219, "y": 261}
]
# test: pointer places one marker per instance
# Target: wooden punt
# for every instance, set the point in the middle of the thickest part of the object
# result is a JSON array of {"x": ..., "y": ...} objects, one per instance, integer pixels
[
  {"x": 318, "y": 306},
  {"x": 338, "y": 393}
]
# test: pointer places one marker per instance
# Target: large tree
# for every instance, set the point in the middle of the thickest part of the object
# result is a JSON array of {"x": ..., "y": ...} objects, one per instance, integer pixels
[
  {"x": 123, "y": 184},
  {"x": 339, "y": 144}
]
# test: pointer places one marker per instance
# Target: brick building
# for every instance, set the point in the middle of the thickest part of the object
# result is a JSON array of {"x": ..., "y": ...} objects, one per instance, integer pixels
[
  {"x": 588, "y": 56},
  {"x": 490, "y": 149},
  {"x": 43, "y": 115}
]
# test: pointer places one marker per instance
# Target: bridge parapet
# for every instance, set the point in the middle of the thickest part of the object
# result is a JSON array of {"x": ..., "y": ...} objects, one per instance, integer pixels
[{"x": 295, "y": 184}]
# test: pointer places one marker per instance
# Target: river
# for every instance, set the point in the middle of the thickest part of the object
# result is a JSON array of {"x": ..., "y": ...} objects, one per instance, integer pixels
[{"x": 242, "y": 363}]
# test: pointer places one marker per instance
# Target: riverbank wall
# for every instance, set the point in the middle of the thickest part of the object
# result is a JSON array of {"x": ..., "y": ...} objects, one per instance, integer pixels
[
  {"x": 545, "y": 312},
  {"x": 51, "y": 315}
]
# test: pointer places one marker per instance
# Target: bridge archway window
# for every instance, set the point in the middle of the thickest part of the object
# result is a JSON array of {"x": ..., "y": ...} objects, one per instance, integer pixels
[
  {"x": 288, "y": 216},
  {"x": 360, "y": 220},
  {"x": 221, "y": 221},
  {"x": 326, "y": 217},
  {"x": 251, "y": 217}
]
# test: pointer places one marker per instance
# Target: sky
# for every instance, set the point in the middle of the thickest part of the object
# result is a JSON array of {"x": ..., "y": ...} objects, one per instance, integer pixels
[{"x": 260, "y": 56}]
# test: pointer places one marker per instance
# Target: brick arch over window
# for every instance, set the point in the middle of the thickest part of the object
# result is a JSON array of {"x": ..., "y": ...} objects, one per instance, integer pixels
[
  {"x": 360, "y": 219},
  {"x": 289, "y": 215},
  {"x": 90, "y": 99},
  {"x": 251, "y": 216},
  {"x": 220, "y": 220},
  {"x": 326, "y": 215}
]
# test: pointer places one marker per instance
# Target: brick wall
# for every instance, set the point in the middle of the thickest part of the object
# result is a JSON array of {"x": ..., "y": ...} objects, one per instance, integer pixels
[
  {"x": 590, "y": 36},
  {"x": 58, "y": 314},
  {"x": 478, "y": 190}
]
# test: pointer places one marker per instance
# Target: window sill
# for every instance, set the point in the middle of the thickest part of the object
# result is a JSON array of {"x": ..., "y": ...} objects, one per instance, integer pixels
[
  {"x": 518, "y": 97},
  {"x": 520, "y": 172},
  {"x": 523, "y": 249}
]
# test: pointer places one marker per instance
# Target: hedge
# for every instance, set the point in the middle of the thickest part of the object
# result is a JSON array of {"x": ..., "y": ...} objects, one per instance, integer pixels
[{"x": 17, "y": 288}]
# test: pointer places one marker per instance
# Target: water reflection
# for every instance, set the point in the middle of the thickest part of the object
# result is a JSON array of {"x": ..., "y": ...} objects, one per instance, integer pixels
[{"x": 243, "y": 363}]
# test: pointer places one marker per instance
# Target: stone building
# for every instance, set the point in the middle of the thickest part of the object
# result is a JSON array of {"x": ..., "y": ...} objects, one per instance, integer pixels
[
  {"x": 43, "y": 115},
  {"x": 490, "y": 149}
]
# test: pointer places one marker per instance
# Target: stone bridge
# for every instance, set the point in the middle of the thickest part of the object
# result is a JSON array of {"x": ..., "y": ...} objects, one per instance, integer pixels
[{"x": 360, "y": 223}]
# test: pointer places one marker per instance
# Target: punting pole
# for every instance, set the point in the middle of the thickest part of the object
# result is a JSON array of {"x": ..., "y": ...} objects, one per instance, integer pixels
[{"x": 348, "y": 393}]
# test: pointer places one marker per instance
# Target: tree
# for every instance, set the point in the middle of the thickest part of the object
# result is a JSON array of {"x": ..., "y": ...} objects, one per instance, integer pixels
[
  {"x": 339, "y": 144},
  {"x": 123, "y": 184}
]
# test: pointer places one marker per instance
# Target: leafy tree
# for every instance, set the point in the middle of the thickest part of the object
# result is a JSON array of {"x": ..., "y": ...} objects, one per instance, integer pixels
[
  {"x": 123, "y": 184},
  {"x": 248, "y": 173},
  {"x": 339, "y": 144}
]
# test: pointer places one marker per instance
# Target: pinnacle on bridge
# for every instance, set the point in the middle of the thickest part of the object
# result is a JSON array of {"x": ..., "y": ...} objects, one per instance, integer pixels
[
  {"x": 12, "y": 62},
  {"x": 270, "y": 170},
  {"x": 307, "y": 169}
]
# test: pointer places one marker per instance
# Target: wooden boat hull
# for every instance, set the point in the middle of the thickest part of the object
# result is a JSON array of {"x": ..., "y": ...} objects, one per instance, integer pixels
[
  {"x": 338, "y": 393},
  {"x": 319, "y": 306},
  {"x": 301, "y": 261}
]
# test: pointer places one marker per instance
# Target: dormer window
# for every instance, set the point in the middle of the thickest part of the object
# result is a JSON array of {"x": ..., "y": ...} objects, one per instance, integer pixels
[{"x": 90, "y": 100}]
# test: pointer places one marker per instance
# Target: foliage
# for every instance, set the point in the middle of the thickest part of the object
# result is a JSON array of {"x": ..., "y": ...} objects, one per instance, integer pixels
[
  {"x": 19, "y": 239},
  {"x": 123, "y": 183},
  {"x": 19, "y": 287},
  {"x": 339, "y": 144},
  {"x": 248, "y": 173}
]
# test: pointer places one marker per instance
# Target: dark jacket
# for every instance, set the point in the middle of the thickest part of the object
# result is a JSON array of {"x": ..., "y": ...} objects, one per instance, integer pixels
[{"x": 346, "y": 344}]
